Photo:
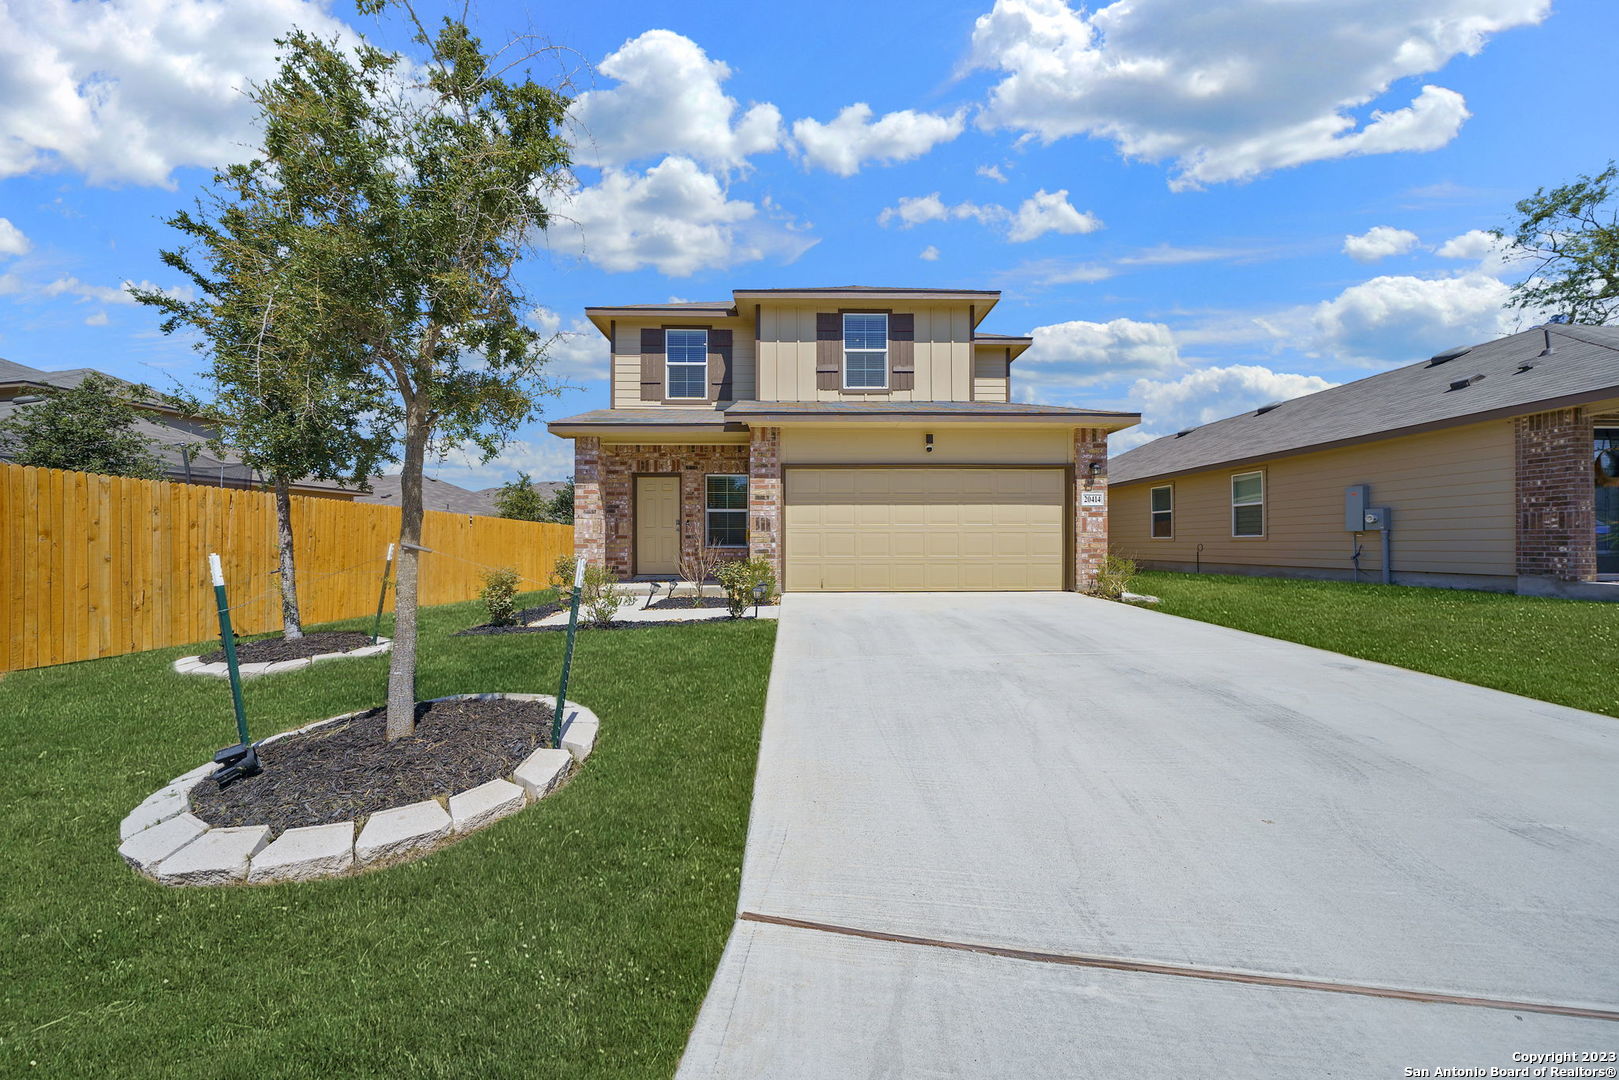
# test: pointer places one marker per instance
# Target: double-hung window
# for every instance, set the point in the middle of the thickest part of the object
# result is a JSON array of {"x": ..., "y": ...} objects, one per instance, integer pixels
[
  {"x": 685, "y": 354},
  {"x": 1163, "y": 512},
  {"x": 865, "y": 351},
  {"x": 726, "y": 511},
  {"x": 1248, "y": 504}
]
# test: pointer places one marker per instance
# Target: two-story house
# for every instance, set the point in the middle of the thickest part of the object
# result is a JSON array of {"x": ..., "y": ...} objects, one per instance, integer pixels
[{"x": 857, "y": 438}]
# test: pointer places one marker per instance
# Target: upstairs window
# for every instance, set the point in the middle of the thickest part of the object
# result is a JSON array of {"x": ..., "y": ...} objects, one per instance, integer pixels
[
  {"x": 726, "y": 511},
  {"x": 1163, "y": 512},
  {"x": 865, "y": 351},
  {"x": 1248, "y": 504},
  {"x": 686, "y": 363}
]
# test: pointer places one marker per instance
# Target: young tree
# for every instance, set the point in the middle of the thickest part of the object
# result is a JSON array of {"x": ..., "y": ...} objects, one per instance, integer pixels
[
  {"x": 521, "y": 501},
  {"x": 1571, "y": 233},
  {"x": 427, "y": 195},
  {"x": 287, "y": 402},
  {"x": 87, "y": 428},
  {"x": 559, "y": 507}
]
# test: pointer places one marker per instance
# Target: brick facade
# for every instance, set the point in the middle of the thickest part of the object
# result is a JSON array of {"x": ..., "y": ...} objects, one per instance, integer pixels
[
  {"x": 604, "y": 519},
  {"x": 1090, "y": 522},
  {"x": 764, "y": 496},
  {"x": 1556, "y": 496}
]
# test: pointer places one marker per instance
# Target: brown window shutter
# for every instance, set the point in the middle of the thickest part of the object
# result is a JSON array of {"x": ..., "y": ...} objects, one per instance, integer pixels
[
  {"x": 651, "y": 364},
  {"x": 719, "y": 365},
  {"x": 828, "y": 350},
  {"x": 902, "y": 351}
]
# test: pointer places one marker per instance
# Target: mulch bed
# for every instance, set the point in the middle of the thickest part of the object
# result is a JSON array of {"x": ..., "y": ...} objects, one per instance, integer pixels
[
  {"x": 347, "y": 770},
  {"x": 687, "y": 602},
  {"x": 275, "y": 649},
  {"x": 527, "y": 615}
]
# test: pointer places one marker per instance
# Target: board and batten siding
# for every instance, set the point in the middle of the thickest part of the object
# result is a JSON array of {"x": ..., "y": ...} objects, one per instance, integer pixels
[
  {"x": 942, "y": 353},
  {"x": 992, "y": 375},
  {"x": 627, "y": 361},
  {"x": 1451, "y": 492}
]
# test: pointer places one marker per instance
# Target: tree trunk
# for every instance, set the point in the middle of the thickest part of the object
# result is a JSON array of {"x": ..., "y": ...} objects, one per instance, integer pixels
[
  {"x": 402, "y": 663},
  {"x": 292, "y": 624}
]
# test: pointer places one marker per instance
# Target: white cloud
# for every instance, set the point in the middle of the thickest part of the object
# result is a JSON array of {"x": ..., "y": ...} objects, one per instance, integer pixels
[
  {"x": 98, "y": 319},
  {"x": 126, "y": 91},
  {"x": 543, "y": 458},
  {"x": 675, "y": 218},
  {"x": 1379, "y": 242},
  {"x": 991, "y": 172},
  {"x": 929, "y": 253},
  {"x": 1080, "y": 353},
  {"x": 1475, "y": 244},
  {"x": 578, "y": 352},
  {"x": 669, "y": 100},
  {"x": 1225, "y": 91},
  {"x": 1209, "y": 394},
  {"x": 1049, "y": 211},
  {"x": 106, "y": 294},
  {"x": 1039, "y": 214},
  {"x": 12, "y": 240},
  {"x": 1404, "y": 319},
  {"x": 852, "y": 138}
]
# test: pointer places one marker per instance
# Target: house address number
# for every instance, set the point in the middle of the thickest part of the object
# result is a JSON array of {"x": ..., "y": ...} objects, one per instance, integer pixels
[{"x": 1092, "y": 498}]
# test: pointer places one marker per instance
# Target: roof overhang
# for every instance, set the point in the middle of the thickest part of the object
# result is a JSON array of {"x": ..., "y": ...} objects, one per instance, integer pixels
[
  {"x": 1016, "y": 346},
  {"x": 1068, "y": 418}
]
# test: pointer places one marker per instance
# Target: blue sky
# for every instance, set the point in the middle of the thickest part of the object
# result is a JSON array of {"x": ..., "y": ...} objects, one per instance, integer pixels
[{"x": 1194, "y": 208}]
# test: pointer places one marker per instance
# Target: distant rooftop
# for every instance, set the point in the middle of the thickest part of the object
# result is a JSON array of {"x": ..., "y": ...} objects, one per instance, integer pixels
[{"x": 1504, "y": 377}]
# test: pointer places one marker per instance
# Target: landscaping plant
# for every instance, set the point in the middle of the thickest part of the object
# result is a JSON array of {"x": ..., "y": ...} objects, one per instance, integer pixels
[
  {"x": 698, "y": 564},
  {"x": 1113, "y": 577},
  {"x": 602, "y": 595},
  {"x": 499, "y": 595},
  {"x": 738, "y": 579}
]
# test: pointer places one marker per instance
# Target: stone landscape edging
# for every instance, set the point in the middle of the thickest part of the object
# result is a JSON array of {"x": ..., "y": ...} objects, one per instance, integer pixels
[
  {"x": 164, "y": 841},
  {"x": 193, "y": 665}
]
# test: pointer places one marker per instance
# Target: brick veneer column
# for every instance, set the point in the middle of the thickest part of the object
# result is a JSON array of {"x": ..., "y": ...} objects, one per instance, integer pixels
[
  {"x": 589, "y": 517},
  {"x": 764, "y": 496},
  {"x": 1556, "y": 495},
  {"x": 1090, "y": 523}
]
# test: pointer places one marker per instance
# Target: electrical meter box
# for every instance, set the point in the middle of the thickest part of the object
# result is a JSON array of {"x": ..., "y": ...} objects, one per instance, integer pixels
[
  {"x": 1356, "y": 497},
  {"x": 1375, "y": 519}
]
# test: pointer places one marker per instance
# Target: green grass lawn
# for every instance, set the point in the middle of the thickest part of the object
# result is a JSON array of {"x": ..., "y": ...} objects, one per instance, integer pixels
[
  {"x": 1565, "y": 651},
  {"x": 575, "y": 939}
]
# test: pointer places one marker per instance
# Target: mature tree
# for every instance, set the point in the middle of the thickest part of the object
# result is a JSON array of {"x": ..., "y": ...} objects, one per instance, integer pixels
[
  {"x": 287, "y": 402},
  {"x": 87, "y": 428},
  {"x": 519, "y": 499},
  {"x": 559, "y": 507},
  {"x": 427, "y": 195},
  {"x": 1571, "y": 233}
]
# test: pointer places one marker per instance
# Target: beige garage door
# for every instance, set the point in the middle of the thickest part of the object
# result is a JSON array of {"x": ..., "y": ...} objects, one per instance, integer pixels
[{"x": 887, "y": 530}]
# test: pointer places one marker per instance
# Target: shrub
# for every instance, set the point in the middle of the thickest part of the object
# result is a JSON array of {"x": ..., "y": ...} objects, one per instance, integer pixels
[
  {"x": 698, "y": 565},
  {"x": 499, "y": 596},
  {"x": 602, "y": 595},
  {"x": 561, "y": 578},
  {"x": 1113, "y": 577},
  {"x": 738, "y": 580}
]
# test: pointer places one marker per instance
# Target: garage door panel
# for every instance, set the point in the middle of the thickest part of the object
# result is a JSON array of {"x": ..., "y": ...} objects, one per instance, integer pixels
[{"x": 925, "y": 528}]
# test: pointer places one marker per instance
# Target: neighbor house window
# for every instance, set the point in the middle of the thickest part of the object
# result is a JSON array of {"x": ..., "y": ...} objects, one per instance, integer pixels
[
  {"x": 726, "y": 510},
  {"x": 865, "y": 351},
  {"x": 1163, "y": 512},
  {"x": 1248, "y": 504},
  {"x": 686, "y": 357}
]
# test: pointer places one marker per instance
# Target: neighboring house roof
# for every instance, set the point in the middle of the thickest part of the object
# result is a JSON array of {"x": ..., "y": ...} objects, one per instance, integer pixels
[
  {"x": 436, "y": 495},
  {"x": 1500, "y": 378},
  {"x": 733, "y": 416}
]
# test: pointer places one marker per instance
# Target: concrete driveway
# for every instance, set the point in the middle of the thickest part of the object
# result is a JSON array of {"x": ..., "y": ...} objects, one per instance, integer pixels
[{"x": 1040, "y": 835}]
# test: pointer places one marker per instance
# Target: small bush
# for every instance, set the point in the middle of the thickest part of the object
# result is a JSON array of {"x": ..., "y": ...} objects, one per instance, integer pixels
[
  {"x": 602, "y": 595},
  {"x": 698, "y": 565},
  {"x": 1113, "y": 577},
  {"x": 561, "y": 578},
  {"x": 738, "y": 580},
  {"x": 499, "y": 596}
]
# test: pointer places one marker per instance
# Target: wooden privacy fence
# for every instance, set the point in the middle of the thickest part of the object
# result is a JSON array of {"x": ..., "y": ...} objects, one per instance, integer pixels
[{"x": 100, "y": 565}]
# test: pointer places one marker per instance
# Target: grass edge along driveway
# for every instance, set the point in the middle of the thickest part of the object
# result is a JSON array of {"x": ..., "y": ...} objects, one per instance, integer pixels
[
  {"x": 1562, "y": 651},
  {"x": 574, "y": 939}
]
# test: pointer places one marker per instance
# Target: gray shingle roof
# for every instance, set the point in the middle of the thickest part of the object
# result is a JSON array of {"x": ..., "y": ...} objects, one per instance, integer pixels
[
  {"x": 436, "y": 495},
  {"x": 900, "y": 409},
  {"x": 645, "y": 418},
  {"x": 1583, "y": 366}
]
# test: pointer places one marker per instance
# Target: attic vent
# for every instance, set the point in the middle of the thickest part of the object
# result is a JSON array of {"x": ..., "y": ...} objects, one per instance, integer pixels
[
  {"x": 1263, "y": 409},
  {"x": 1463, "y": 384},
  {"x": 1184, "y": 431},
  {"x": 1449, "y": 354}
]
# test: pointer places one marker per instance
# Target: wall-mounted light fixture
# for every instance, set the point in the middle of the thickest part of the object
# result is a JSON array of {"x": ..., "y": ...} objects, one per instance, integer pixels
[
  {"x": 1095, "y": 467},
  {"x": 928, "y": 440}
]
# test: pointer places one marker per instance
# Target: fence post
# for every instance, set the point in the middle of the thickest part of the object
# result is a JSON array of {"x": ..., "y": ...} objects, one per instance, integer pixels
[
  {"x": 567, "y": 654},
  {"x": 240, "y": 760},
  {"x": 387, "y": 568}
]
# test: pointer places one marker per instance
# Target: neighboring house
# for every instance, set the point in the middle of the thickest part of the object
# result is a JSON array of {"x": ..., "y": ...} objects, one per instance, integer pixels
[
  {"x": 437, "y": 495},
  {"x": 1488, "y": 460},
  {"x": 855, "y": 438},
  {"x": 178, "y": 440}
]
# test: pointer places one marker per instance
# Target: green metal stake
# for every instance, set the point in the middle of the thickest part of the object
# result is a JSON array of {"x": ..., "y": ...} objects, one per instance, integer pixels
[
  {"x": 387, "y": 568},
  {"x": 229, "y": 639},
  {"x": 567, "y": 654}
]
